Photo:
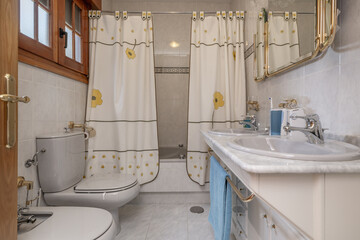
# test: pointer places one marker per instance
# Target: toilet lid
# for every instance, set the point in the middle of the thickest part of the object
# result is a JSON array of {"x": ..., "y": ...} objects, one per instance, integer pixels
[{"x": 106, "y": 183}]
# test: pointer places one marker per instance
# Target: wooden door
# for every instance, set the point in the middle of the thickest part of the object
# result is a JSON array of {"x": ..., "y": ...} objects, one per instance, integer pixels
[{"x": 8, "y": 157}]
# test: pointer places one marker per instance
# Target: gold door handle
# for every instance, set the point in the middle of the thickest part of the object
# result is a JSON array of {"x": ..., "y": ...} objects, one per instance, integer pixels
[
  {"x": 14, "y": 99},
  {"x": 11, "y": 100}
]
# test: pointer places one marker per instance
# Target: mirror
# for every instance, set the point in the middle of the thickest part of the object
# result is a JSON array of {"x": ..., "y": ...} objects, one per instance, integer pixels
[
  {"x": 290, "y": 33},
  {"x": 330, "y": 23}
]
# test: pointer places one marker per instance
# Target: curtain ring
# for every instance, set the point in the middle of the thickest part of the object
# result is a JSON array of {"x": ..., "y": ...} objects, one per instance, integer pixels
[
  {"x": 117, "y": 15},
  {"x": 287, "y": 15},
  {"x": 93, "y": 14},
  {"x": 231, "y": 15},
  {"x": 125, "y": 15},
  {"x": 242, "y": 14},
  {"x": 148, "y": 14},
  {"x": 202, "y": 16},
  {"x": 90, "y": 14},
  {"x": 261, "y": 15},
  {"x": 223, "y": 13},
  {"x": 218, "y": 14},
  {"x": 194, "y": 16},
  {"x": 98, "y": 14},
  {"x": 294, "y": 16},
  {"x": 143, "y": 15}
]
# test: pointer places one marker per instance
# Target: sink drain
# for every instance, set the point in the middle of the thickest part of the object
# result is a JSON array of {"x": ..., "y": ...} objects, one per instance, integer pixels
[{"x": 197, "y": 209}]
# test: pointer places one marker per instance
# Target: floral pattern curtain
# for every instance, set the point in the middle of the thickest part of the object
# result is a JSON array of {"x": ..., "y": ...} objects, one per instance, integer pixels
[
  {"x": 121, "y": 97},
  {"x": 217, "y": 91}
]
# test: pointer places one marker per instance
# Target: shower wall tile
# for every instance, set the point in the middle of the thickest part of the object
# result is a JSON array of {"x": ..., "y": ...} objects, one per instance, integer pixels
[{"x": 55, "y": 100}]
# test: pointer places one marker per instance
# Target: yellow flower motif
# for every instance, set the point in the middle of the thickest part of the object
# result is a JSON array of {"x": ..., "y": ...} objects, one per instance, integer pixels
[
  {"x": 102, "y": 29},
  {"x": 282, "y": 31},
  {"x": 151, "y": 155},
  {"x": 195, "y": 166},
  {"x": 114, "y": 166},
  {"x": 205, "y": 31},
  {"x": 85, "y": 157},
  {"x": 198, "y": 175},
  {"x": 130, "y": 166},
  {"x": 137, "y": 166},
  {"x": 102, "y": 166},
  {"x": 191, "y": 157},
  {"x": 234, "y": 55},
  {"x": 200, "y": 168},
  {"x": 151, "y": 28},
  {"x": 118, "y": 158},
  {"x": 122, "y": 168},
  {"x": 135, "y": 156},
  {"x": 142, "y": 174},
  {"x": 112, "y": 38},
  {"x": 113, "y": 156},
  {"x": 130, "y": 53},
  {"x": 293, "y": 31},
  {"x": 218, "y": 100},
  {"x": 96, "y": 98},
  {"x": 157, "y": 164},
  {"x": 90, "y": 167},
  {"x": 93, "y": 156},
  {"x": 190, "y": 174},
  {"x": 103, "y": 156},
  {"x": 147, "y": 164},
  {"x": 214, "y": 39},
  {"x": 144, "y": 29},
  {"x": 119, "y": 29},
  {"x": 151, "y": 173}
]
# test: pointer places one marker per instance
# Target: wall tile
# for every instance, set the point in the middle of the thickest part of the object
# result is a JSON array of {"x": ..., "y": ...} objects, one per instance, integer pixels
[{"x": 55, "y": 100}]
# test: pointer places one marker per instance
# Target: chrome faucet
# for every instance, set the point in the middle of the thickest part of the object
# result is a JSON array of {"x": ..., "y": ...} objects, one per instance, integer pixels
[
  {"x": 252, "y": 123},
  {"x": 24, "y": 219},
  {"x": 313, "y": 130}
]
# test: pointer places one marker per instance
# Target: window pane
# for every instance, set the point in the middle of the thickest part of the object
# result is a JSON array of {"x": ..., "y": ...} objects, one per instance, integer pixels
[
  {"x": 77, "y": 48},
  {"x": 69, "y": 51},
  {"x": 77, "y": 19},
  {"x": 43, "y": 26},
  {"x": 45, "y": 3},
  {"x": 27, "y": 18},
  {"x": 68, "y": 12}
]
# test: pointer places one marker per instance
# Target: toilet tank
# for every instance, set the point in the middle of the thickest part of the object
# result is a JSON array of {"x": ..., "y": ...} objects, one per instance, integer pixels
[{"x": 62, "y": 165}]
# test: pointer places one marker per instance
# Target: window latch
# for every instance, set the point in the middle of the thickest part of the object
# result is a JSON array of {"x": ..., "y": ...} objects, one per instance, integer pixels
[{"x": 62, "y": 33}]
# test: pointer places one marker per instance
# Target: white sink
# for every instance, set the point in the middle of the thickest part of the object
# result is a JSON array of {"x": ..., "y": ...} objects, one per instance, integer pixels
[
  {"x": 235, "y": 131},
  {"x": 282, "y": 147}
]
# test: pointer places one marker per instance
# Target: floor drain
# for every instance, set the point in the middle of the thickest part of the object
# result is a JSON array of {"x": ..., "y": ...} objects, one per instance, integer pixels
[{"x": 196, "y": 209}]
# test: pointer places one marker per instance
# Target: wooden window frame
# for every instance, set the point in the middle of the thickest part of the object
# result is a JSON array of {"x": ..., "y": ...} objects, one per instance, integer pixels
[
  {"x": 33, "y": 45},
  {"x": 53, "y": 58},
  {"x": 63, "y": 59}
]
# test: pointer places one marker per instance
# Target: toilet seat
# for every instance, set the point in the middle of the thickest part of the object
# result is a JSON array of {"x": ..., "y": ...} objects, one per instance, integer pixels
[{"x": 106, "y": 183}]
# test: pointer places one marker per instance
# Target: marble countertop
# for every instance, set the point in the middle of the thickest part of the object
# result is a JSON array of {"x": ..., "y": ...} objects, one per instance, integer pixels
[{"x": 262, "y": 164}]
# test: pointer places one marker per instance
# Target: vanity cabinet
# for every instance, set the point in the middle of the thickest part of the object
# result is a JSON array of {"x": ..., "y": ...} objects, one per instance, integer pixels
[{"x": 303, "y": 200}]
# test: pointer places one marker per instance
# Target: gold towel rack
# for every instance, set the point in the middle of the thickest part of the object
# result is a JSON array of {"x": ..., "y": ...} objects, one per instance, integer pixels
[{"x": 233, "y": 186}]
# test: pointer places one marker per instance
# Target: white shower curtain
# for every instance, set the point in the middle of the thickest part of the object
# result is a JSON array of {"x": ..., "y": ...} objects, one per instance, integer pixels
[
  {"x": 283, "y": 40},
  {"x": 217, "y": 83},
  {"x": 121, "y": 97}
]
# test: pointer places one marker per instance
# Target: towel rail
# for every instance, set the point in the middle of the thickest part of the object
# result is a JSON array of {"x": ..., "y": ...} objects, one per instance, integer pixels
[{"x": 233, "y": 186}]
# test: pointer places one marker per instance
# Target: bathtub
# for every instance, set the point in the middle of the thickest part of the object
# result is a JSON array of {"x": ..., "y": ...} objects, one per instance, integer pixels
[
  {"x": 173, "y": 182},
  {"x": 167, "y": 153}
]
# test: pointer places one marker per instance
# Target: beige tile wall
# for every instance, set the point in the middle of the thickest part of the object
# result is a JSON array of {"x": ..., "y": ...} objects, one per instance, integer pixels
[{"x": 55, "y": 100}]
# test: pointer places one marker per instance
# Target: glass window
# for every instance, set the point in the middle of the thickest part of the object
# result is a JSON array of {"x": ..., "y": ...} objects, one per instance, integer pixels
[
  {"x": 69, "y": 49},
  {"x": 27, "y": 19},
  {"x": 43, "y": 26},
  {"x": 77, "y": 19},
  {"x": 45, "y": 3},
  {"x": 77, "y": 48},
  {"x": 68, "y": 12}
]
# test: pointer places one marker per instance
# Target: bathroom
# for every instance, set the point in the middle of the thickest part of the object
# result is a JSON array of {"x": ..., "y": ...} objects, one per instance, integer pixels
[{"x": 167, "y": 195}]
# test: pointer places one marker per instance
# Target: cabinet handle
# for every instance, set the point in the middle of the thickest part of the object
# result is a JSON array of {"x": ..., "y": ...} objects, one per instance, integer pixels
[{"x": 239, "y": 194}]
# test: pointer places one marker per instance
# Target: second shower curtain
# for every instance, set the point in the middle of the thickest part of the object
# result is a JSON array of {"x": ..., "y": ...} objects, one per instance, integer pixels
[{"x": 217, "y": 90}]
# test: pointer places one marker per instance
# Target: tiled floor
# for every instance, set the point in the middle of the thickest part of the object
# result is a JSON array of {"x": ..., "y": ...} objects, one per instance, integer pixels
[{"x": 164, "y": 222}]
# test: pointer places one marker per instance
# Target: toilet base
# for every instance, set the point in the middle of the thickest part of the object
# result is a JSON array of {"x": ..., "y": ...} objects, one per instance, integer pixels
[{"x": 115, "y": 215}]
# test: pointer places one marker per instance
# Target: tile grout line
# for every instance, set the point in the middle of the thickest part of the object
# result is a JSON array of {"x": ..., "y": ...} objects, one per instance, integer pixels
[{"x": 151, "y": 219}]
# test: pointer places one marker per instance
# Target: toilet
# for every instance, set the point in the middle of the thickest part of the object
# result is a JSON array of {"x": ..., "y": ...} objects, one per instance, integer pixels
[{"x": 61, "y": 169}]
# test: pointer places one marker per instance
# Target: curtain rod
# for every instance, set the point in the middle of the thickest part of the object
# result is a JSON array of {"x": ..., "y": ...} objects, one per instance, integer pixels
[
  {"x": 283, "y": 12},
  {"x": 166, "y": 12}
]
